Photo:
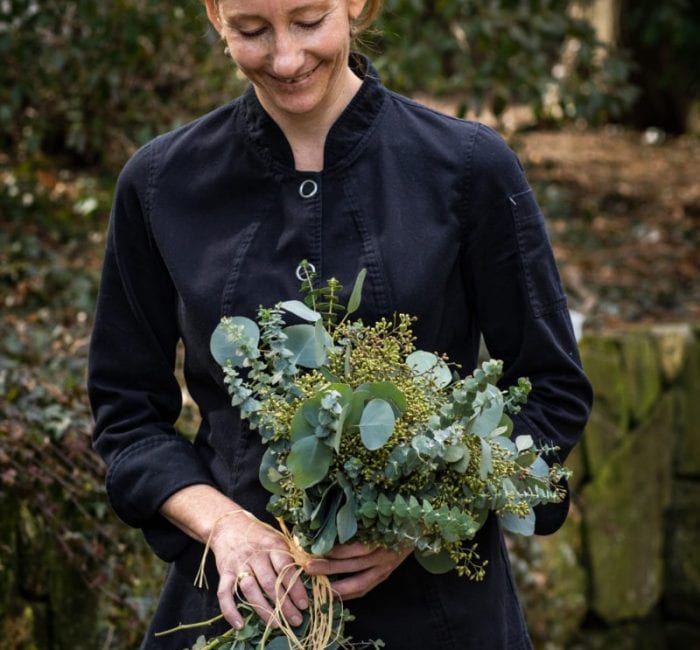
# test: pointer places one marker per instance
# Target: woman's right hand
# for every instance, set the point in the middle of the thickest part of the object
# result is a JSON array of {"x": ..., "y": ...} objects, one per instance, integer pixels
[
  {"x": 249, "y": 554},
  {"x": 250, "y": 557}
]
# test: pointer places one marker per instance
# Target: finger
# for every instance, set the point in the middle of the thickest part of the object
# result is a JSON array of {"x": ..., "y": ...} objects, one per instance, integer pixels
[
  {"x": 359, "y": 584},
  {"x": 227, "y": 605},
  {"x": 346, "y": 551},
  {"x": 292, "y": 585},
  {"x": 275, "y": 593},
  {"x": 250, "y": 590},
  {"x": 324, "y": 566}
]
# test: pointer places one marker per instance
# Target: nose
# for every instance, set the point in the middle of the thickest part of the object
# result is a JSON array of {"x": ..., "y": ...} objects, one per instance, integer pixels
[{"x": 288, "y": 56}]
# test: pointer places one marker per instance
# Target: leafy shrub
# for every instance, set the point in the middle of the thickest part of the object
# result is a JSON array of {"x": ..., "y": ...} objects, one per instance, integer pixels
[
  {"x": 498, "y": 53},
  {"x": 97, "y": 78}
]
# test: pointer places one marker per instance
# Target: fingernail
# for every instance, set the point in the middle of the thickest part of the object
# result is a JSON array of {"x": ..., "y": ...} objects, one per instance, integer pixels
[
  {"x": 238, "y": 624},
  {"x": 296, "y": 620},
  {"x": 303, "y": 604}
]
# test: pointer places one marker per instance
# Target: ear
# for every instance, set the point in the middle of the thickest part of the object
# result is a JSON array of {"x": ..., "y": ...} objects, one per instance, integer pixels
[
  {"x": 214, "y": 15},
  {"x": 355, "y": 8}
]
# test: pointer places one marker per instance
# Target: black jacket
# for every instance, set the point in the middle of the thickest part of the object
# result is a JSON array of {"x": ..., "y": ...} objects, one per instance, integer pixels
[{"x": 212, "y": 219}]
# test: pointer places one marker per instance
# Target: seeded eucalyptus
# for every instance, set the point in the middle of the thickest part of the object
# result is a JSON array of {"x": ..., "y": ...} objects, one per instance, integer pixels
[{"x": 368, "y": 438}]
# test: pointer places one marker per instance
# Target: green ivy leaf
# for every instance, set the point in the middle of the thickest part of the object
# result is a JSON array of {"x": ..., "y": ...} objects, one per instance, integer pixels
[
  {"x": 376, "y": 424},
  {"x": 308, "y": 461}
]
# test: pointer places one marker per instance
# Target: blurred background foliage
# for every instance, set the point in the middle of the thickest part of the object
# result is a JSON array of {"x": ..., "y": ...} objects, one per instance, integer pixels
[
  {"x": 92, "y": 80},
  {"x": 85, "y": 82}
]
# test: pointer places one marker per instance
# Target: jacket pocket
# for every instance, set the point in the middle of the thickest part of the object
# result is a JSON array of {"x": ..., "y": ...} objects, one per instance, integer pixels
[{"x": 544, "y": 288}]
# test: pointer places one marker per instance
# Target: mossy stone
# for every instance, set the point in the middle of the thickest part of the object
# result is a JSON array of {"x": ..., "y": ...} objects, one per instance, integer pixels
[
  {"x": 601, "y": 436},
  {"x": 603, "y": 363},
  {"x": 624, "y": 520},
  {"x": 672, "y": 343},
  {"x": 682, "y": 592},
  {"x": 642, "y": 371},
  {"x": 688, "y": 448}
]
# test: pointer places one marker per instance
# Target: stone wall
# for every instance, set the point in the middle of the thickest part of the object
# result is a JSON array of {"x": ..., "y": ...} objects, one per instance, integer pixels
[
  {"x": 623, "y": 573},
  {"x": 625, "y": 570}
]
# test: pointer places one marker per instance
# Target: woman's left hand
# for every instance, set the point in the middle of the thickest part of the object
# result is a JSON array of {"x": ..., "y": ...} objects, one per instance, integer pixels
[{"x": 369, "y": 565}]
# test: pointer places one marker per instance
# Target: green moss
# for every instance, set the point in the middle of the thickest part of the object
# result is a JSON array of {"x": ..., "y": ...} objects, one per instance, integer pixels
[
  {"x": 624, "y": 506},
  {"x": 642, "y": 374},
  {"x": 688, "y": 449}
]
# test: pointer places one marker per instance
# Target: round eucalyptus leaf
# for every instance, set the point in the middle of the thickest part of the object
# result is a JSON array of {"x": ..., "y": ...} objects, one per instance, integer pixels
[
  {"x": 376, "y": 424},
  {"x": 223, "y": 349},
  {"x": 430, "y": 365},
  {"x": 268, "y": 472},
  {"x": 519, "y": 525},
  {"x": 539, "y": 468},
  {"x": 304, "y": 346},
  {"x": 278, "y": 643},
  {"x": 309, "y": 461},
  {"x": 436, "y": 563},
  {"x": 491, "y": 413},
  {"x": 388, "y": 392}
]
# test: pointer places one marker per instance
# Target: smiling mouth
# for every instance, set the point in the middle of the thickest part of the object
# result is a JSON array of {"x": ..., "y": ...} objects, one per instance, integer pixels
[{"x": 296, "y": 80}]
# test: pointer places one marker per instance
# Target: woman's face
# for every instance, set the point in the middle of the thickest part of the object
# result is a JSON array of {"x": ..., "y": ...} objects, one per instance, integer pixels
[{"x": 295, "y": 52}]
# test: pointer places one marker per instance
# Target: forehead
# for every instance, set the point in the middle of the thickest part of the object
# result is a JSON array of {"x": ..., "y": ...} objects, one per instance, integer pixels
[{"x": 265, "y": 7}]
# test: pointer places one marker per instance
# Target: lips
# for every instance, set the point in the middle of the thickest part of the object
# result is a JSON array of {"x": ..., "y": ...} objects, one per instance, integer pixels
[{"x": 296, "y": 80}]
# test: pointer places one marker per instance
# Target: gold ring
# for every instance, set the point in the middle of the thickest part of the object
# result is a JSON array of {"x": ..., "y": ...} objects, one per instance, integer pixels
[{"x": 243, "y": 574}]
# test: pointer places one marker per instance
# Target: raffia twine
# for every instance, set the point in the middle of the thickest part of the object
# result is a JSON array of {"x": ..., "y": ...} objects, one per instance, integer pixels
[{"x": 319, "y": 632}]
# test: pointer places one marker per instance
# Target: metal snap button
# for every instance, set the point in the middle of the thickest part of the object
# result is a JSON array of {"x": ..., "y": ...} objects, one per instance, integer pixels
[
  {"x": 308, "y": 188},
  {"x": 311, "y": 268}
]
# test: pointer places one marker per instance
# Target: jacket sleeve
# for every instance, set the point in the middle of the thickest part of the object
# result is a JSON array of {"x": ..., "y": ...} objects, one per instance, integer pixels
[
  {"x": 517, "y": 295},
  {"x": 133, "y": 392}
]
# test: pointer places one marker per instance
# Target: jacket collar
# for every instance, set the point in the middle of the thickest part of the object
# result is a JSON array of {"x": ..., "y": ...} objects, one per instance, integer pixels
[{"x": 346, "y": 137}]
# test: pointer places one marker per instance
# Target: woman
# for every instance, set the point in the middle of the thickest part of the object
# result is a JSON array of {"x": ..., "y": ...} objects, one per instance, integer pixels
[{"x": 317, "y": 161}]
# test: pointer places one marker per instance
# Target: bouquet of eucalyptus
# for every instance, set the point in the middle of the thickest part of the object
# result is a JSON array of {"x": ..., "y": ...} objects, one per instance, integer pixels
[{"x": 369, "y": 439}]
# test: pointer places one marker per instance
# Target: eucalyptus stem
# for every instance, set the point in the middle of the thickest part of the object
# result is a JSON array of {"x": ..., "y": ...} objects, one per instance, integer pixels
[{"x": 189, "y": 626}]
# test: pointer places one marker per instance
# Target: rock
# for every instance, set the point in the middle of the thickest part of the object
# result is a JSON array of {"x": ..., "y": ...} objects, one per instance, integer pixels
[
  {"x": 682, "y": 592},
  {"x": 552, "y": 582},
  {"x": 642, "y": 374},
  {"x": 672, "y": 342},
  {"x": 688, "y": 447},
  {"x": 624, "y": 519},
  {"x": 602, "y": 361}
]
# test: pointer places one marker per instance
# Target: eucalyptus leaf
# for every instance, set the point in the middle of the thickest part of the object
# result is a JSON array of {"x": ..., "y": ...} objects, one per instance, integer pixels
[
  {"x": 299, "y": 309},
  {"x": 388, "y": 392},
  {"x": 304, "y": 346},
  {"x": 376, "y": 424},
  {"x": 436, "y": 563},
  {"x": 300, "y": 427},
  {"x": 278, "y": 643},
  {"x": 346, "y": 520},
  {"x": 267, "y": 465},
  {"x": 325, "y": 539},
  {"x": 519, "y": 525},
  {"x": 523, "y": 443},
  {"x": 539, "y": 468},
  {"x": 486, "y": 464},
  {"x": 223, "y": 349},
  {"x": 309, "y": 461},
  {"x": 491, "y": 413},
  {"x": 431, "y": 366},
  {"x": 356, "y": 295}
]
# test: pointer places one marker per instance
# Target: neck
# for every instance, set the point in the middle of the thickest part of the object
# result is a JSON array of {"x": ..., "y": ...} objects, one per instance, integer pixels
[{"x": 307, "y": 133}]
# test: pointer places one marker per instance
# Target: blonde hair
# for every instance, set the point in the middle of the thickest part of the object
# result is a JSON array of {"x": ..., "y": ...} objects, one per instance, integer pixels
[{"x": 369, "y": 14}]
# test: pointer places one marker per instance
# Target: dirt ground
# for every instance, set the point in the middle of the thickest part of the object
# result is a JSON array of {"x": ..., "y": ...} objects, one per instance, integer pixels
[{"x": 623, "y": 212}]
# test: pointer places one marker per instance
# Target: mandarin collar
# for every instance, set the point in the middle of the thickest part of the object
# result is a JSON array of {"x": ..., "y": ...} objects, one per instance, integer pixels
[{"x": 346, "y": 137}]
